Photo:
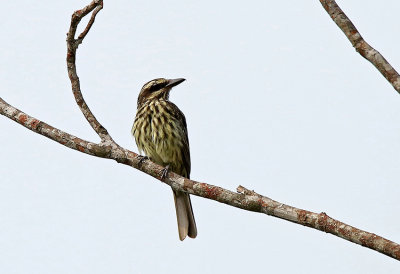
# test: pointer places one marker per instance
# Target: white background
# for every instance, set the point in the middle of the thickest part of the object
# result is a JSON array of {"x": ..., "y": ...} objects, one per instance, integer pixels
[{"x": 276, "y": 99}]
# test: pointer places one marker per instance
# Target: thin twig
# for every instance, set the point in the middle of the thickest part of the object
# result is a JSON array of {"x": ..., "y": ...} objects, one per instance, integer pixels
[
  {"x": 361, "y": 46},
  {"x": 90, "y": 23}
]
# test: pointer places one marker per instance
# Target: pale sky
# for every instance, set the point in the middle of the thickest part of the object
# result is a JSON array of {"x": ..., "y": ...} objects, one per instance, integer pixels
[{"x": 276, "y": 100}]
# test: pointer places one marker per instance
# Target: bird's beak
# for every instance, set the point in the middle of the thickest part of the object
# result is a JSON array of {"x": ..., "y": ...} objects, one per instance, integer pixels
[{"x": 174, "y": 82}]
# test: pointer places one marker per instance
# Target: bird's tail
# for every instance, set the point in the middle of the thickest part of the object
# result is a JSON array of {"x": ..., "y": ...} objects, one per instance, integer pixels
[{"x": 184, "y": 215}]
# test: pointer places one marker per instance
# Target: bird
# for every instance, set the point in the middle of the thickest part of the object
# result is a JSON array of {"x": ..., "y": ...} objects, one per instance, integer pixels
[{"x": 160, "y": 132}]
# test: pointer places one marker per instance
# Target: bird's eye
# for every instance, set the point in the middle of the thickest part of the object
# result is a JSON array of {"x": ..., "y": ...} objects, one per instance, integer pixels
[{"x": 156, "y": 86}]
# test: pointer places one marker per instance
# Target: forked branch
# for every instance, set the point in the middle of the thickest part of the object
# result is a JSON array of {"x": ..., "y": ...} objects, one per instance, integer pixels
[
  {"x": 72, "y": 46},
  {"x": 108, "y": 148}
]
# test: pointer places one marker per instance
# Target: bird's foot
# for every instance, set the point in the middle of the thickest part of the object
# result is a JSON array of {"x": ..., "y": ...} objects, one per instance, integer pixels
[
  {"x": 164, "y": 172},
  {"x": 142, "y": 159}
]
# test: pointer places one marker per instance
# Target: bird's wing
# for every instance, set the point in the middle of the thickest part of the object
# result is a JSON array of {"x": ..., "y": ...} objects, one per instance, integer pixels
[{"x": 184, "y": 149}]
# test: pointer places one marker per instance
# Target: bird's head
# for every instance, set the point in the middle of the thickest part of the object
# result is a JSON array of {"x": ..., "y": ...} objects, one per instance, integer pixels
[{"x": 157, "y": 89}]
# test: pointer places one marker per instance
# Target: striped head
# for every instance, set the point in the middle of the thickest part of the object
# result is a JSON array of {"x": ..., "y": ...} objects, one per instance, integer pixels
[{"x": 157, "y": 89}]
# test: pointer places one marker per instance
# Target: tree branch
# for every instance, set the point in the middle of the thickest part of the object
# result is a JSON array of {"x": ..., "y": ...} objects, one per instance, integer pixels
[
  {"x": 361, "y": 46},
  {"x": 244, "y": 199},
  {"x": 72, "y": 46}
]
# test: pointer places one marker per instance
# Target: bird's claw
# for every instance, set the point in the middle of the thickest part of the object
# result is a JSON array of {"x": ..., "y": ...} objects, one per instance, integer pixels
[
  {"x": 142, "y": 159},
  {"x": 164, "y": 172}
]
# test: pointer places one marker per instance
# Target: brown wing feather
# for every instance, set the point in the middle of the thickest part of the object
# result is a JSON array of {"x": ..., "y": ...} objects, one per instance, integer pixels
[{"x": 184, "y": 149}]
